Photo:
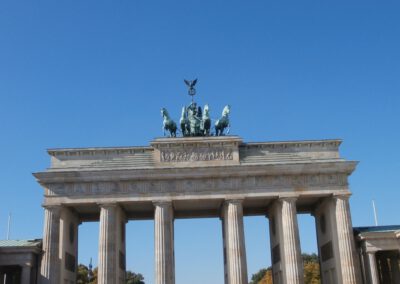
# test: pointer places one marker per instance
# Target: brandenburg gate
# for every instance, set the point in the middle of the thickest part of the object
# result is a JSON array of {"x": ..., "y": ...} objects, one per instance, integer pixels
[{"x": 194, "y": 177}]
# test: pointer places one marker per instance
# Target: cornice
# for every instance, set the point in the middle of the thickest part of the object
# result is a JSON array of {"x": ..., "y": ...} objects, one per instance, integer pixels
[
  {"x": 92, "y": 151},
  {"x": 82, "y": 152},
  {"x": 337, "y": 167},
  {"x": 335, "y": 143}
]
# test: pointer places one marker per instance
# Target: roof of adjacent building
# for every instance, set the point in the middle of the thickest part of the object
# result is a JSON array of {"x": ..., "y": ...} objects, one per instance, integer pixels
[
  {"x": 390, "y": 228},
  {"x": 20, "y": 243}
]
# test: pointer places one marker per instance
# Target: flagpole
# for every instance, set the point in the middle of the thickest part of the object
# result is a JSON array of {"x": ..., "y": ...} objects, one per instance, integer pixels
[
  {"x": 375, "y": 216},
  {"x": 8, "y": 226}
]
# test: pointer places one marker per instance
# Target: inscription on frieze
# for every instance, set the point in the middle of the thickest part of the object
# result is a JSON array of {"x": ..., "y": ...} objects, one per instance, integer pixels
[{"x": 195, "y": 154}]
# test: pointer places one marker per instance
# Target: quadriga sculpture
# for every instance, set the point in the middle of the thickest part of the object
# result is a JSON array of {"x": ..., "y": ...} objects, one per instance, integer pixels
[{"x": 194, "y": 121}]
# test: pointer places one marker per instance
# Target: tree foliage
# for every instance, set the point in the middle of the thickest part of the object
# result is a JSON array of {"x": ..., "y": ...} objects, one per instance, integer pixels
[
  {"x": 82, "y": 276},
  {"x": 311, "y": 271},
  {"x": 256, "y": 278},
  {"x": 133, "y": 278},
  {"x": 264, "y": 276},
  {"x": 309, "y": 257}
]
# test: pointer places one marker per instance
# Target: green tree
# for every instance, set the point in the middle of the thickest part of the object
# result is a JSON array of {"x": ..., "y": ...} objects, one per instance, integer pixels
[
  {"x": 82, "y": 275},
  {"x": 311, "y": 271},
  {"x": 309, "y": 257},
  {"x": 133, "y": 278},
  {"x": 255, "y": 278},
  {"x": 311, "y": 268},
  {"x": 94, "y": 276}
]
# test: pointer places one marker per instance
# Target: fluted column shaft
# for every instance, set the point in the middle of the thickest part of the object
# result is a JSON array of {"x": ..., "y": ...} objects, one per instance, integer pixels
[
  {"x": 291, "y": 242},
  {"x": 164, "y": 243},
  {"x": 234, "y": 242},
  {"x": 50, "y": 265},
  {"x": 224, "y": 252},
  {"x": 348, "y": 259},
  {"x": 25, "y": 275},
  {"x": 107, "y": 244},
  {"x": 373, "y": 268},
  {"x": 394, "y": 268}
]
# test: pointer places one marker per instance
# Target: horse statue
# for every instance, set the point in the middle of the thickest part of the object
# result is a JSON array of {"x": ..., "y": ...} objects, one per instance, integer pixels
[
  {"x": 184, "y": 122},
  {"x": 205, "y": 122},
  {"x": 168, "y": 123},
  {"x": 223, "y": 122}
]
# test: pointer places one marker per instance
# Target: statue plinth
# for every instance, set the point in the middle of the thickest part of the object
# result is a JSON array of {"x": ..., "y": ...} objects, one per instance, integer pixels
[{"x": 196, "y": 151}]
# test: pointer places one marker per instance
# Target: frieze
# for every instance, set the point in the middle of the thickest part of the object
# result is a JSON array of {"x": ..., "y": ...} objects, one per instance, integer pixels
[
  {"x": 195, "y": 154},
  {"x": 199, "y": 186}
]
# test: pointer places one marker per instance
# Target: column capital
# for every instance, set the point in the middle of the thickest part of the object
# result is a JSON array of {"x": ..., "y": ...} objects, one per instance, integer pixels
[
  {"x": 341, "y": 196},
  {"x": 163, "y": 203},
  {"x": 234, "y": 201},
  {"x": 228, "y": 202},
  {"x": 288, "y": 198},
  {"x": 280, "y": 200},
  {"x": 53, "y": 208},
  {"x": 108, "y": 204}
]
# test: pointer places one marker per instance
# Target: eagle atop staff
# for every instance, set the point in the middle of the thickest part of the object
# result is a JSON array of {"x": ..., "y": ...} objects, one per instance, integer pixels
[{"x": 191, "y": 84}]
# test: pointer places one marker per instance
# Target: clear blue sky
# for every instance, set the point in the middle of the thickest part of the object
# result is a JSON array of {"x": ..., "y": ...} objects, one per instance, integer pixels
[{"x": 96, "y": 73}]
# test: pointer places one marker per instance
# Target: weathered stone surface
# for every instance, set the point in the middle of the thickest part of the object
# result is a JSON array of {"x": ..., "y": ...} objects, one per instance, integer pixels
[
  {"x": 350, "y": 267},
  {"x": 50, "y": 266},
  {"x": 164, "y": 243},
  {"x": 236, "y": 264},
  {"x": 111, "y": 269},
  {"x": 287, "y": 266},
  {"x": 196, "y": 177},
  {"x": 195, "y": 152}
]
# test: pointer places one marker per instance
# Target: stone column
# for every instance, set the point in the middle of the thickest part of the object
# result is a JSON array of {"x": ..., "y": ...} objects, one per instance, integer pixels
[
  {"x": 164, "y": 243},
  {"x": 50, "y": 266},
  {"x": 350, "y": 268},
  {"x": 224, "y": 252},
  {"x": 394, "y": 267},
  {"x": 234, "y": 241},
  {"x": 25, "y": 275},
  {"x": 384, "y": 268},
  {"x": 372, "y": 272},
  {"x": 111, "y": 267},
  {"x": 69, "y": 223},
  {"x": 285, "y": 242}
]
